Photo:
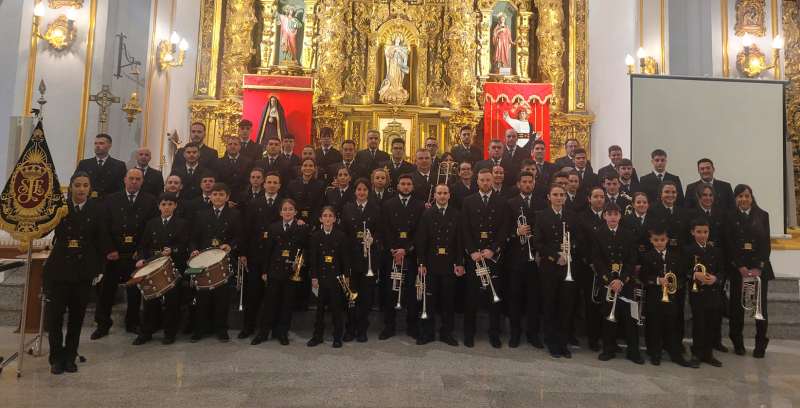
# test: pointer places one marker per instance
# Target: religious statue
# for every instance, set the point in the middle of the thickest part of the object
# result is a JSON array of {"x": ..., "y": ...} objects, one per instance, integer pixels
[
  {"x": 392, "y": 90},
  {"x": 502, "y": 41},
  {"x": 273, "y": 122},
  {"x": 521, "y": 124},
  {"x": 750, "y": 17},
  {"x": 290, "y": 24}
]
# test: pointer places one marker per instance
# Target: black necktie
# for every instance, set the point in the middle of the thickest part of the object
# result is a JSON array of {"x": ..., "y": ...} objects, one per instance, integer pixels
[
  {"x": 285, "y": 227},
  {"x": 217, "y": 211},
  {"x": 380, "y": 196},
  {"x": 580, "y": 174},
  {"x": 527, "y": 203},
  {"x": 613, "y": 200},
  {"x": 641, "y": 220},
  {"x": 405, "y": 201},
  {"x": 361, "y": 208},
  {"x": 190, "y": 170},
  {"x": 165, "y": 221},
  {"x": 271, "y": 162},
  {"x": 660, "y": 177},
  {"x": 77, "y": 209},
  {"x": 442, "y": 211},
  {"x": 206, "y": 199},
  {"x": 270, "y": 201},
  {"x": 664, "y": 256},
  {"x": 485, "y": 200},
  {"x": 708, "y": 213},
  {"x": 100, "y": 162},
  {"x": 234, "y": 161},
  {"x": 496, "y": 162},
  {"x": 131, "y": 198}
]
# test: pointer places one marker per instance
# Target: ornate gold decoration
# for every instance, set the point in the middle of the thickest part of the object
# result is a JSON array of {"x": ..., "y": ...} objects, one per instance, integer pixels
[
  {"x": 791, "y": 31},
  {"x": 326, "y": 115},
  {"x": 578, "y": 57},
  {"x": 208, "y": 47},
  {"x": 750, "y": 17},
  {"x": 56, "y": 4},
  {"x": 751, "y": 62},
  {"x": 649, "y": 66},
  {"x": 239, "y": 20},
  {"x": 87, "y": 81},
  {"x": 103, "y": 99},
  {"x": 330, "y": 50},
  {"x": 172, "y": 52},
  {"x": 723, "y": 6},
  {"x": 391, "y": 131},
  {"x": 60, "y": 33},
  {"x": 551, "y": 53},
  {"x": 462, "y": 50},
  {"x": 132, "y": 108},
  {"x": 570, "y": 125}
]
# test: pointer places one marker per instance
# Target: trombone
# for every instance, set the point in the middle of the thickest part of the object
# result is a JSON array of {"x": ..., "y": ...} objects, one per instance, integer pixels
[
  {"x": 297, "y": 265},
  {"x": 397, "y": 276},
  {"x": 351, "y": 296},
  {"x": 422, "y": 295},
  {"x": 241, "y": 271},
  {"x": 367, "y": 250},
  {"x": 751, "y": 296},
  {"x": 522, "y": 221},
  {"x": 446, "y": 170},
  {"x": 566, "y": 250},
  {"x": 670, "y": 286},
  {"x": 484, "y": 274}
]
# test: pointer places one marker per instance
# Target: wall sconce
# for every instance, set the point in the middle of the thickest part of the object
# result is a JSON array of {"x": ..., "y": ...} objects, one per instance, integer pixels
[
  {"x": 630, "y": 63},
  {"x": 751, "y": 62},
  {"x": 61, "y": 32},
  {"x": 132, "y": 108},
  {"x": 647, "y": 64},
  {"x": 171, "y": 52}
]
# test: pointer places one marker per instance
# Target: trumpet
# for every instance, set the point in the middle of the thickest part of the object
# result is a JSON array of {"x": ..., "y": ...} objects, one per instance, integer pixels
[
  {"x": 421, "y": 295},
  {"x": 638, "y": 299},
  {"x": 484, "y": 274},
  {"x": 670, "y": 286},
  {"x": 241, "y": 270},
  {"x": 297, "y": 265},
  {"x": 751, "y": 296},
  {"x": 628, "y": 208},
  {"x": 698, "y": 267},
  {"x": 566, "y": 248},
  {"x": 397, "y": 276},
  {"x": 613, "y": 299},
  {"x": 351, "y": 296},
  {"x": 596, "y": 285},
  {"x": 367, "y": 250},
  {"x": 446, "y": 170},
  {"x": 522, "y": 221}
]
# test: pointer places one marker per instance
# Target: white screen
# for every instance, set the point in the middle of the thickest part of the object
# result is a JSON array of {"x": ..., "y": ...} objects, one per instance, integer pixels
[{"x": 737, "y": 124}]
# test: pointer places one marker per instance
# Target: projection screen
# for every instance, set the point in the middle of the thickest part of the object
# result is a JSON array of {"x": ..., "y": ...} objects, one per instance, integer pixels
[{"x": 739, "y": 124}]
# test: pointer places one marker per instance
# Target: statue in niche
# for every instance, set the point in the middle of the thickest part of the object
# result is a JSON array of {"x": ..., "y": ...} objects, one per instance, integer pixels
[
  {"x": 290, "y": 22},
  {"x": 392, "y": 90},
  {"x": 273, "y": 122},
  {"x": 502, "y": 42}
]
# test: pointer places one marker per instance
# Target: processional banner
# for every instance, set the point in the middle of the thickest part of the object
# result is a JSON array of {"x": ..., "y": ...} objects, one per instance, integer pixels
[
  {"x": 522, "y": 107},
  {"x": 278, "y": 104}
]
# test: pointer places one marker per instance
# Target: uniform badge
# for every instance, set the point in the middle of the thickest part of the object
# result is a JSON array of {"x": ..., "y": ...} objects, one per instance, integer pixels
[
  {"x": 615, "y": 267},
  {"x": 285, "y": 253},
  {"x": 747, "y": 246},
  {"x": 304, "y": 213},
  {"x": 266, "y": 234},
  {"x": 328, "y": 259},
  {"x": 442, "y": 251},
  {"x": 673, "y": 242},
  {"x": 484, "y": 235},
  {"x": 73, "y": 243},
  {"x": 94, "y": 194},
  {"x": 128, "y": 239},
  {"x": 215, "y": 242},
  {"x": 360, "y": 234},
  {"x": 403, "y": 234}
]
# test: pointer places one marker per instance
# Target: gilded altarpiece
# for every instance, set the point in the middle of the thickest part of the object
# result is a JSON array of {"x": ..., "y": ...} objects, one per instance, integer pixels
[
  {"x": 791, "y": 31},
  {"x": 412, "y": 68}
]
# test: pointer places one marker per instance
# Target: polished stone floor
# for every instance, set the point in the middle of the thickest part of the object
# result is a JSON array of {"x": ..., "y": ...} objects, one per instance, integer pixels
[{"x": 393, "y": 373}]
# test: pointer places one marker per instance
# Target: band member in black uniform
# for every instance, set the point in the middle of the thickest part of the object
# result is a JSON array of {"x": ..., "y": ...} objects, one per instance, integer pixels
[
  {"x": 749, "y": 251},
  {"x": 558, "y": 295},
  {"x": 127, "y": 213},
  {"x": 615, "y": 156},
  {"x": 165, "y": 235},
  {"x": 398, "y": 165},
  {"x": 153, "y": 179},
  {"x": 513, "y": 152},
  {"x": 80, "y": 245},
  {"x": 347, "y": 161},
  {"x": 326, "y": 155},
  {"x": 423, "y": 177},
  {"x": 260, "y": 214},
  {"x": 640, "y": 223},
  {"x": 651, "y": 183},
  {"x": 207, "y": 156},
  {"x": 341, "y": 192},
  {"x": 288, "y": 239},
  {"x": 523, "y": 273},
  {"x": 189, "y": 171},
  {"x": 544, "y": 169},
  {"x": 203, "y": 201},
  {"x": 252, "y": 192},
  {"x": 174, "y": 185},
  {"x": 613, "y": 258},
  {"x": 705, "y": 293},
  {"x": 568, "y": 160},
  {"x": 577, "y": 199},
  {"x": 661, "y": 332},
  {"x": 105, "y": 171},
  {"x": 463, "y": 186},
  {"x": 328, "y": 261},
  {"x": 307, "y": 192},
  {"x": 590, "y": 222},
  {"x": 432, "y": 146},
  {"x": 467, "y": 150},
  {"x": 587, "y": 177},
  {"x": 496, "y": 158},
  {"x": 401, "y": 218},
  {"x": 219, "y": 227},
  {"x": 484, "y": 229},
  {"x": 613, "y": 194},
  {"x": 274, "y": 161},
  {"x": 440, "y": 261},
  {"x": 357, "y": 215},
  {"x": 723, "y": 193},
  {"x": 498, "y": 183},
  {"x": 234, "y": 167},
  {"x": 250, "y": 149},
  {"x": 372, "y": 157},
  {"x": 627, "y": 184},
  {"x": 287, "y": 152},
  {"x": 381, "y": 190}
]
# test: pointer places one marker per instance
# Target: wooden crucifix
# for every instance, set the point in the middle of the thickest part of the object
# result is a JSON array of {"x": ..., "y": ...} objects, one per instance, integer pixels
[{"x": 104, "y": 99}]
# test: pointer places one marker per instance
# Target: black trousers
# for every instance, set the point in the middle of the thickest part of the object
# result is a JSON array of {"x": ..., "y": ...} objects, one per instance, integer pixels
[
  {"x": 476, "y": 295},
  {"x": 706, "y": 316},
  {"x": 253, "y": 295},
  {"x": 214, "y": 304},
  {"x": 524, "y": 297},
  {"x": 358, "y": 317},
  {"x": 70, "y": 298},
  {"x": 440, "y": 297},
  {"x": 622, "y": 313},
  {"x": 737, "y": 312},
  {"x": 558, "y": 301},
  {"x": 331, "y": 298},
  {"x": 408, "y": 296},
  {"x": 117, "y": 272},
  {"x": 593, "y": 312},
  {"x": 276, "y": 314},
  {"x": 660, "y": 325},
  {"x": 165, "y": 309}
]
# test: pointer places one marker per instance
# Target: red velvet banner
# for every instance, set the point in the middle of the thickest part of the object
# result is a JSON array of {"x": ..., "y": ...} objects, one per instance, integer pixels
[
  {"x": 295, "y": 95},
  {"x": 506, "y": 104}
]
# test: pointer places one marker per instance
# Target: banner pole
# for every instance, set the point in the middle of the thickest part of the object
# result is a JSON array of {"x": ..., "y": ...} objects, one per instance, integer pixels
[{"x": 23, "y": 323}]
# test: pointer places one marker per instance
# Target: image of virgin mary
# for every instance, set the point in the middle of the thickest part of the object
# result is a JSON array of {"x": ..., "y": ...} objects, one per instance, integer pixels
[{"x": 273, "y": 122}]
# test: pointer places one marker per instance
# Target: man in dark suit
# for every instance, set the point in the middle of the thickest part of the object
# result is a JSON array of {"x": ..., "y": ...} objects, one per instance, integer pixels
[
  {"x": 287, "y": 152},
  {"x": 153, "y": 179},
  {"x": 274, "y": 161},
  {"x": 326, "y": 154},
  {"x": 587, "y": 176},
  {"x": 348, "y": 161},
  {"x": 422, "y": 176},
  {"x": 466, "y": 151},
  {"x": 190, "y": 171},
  {"x": 512, "y": 152},
  {"x": 613, "y": 194},
  {"x": 127, "y": 213},
  {"x": 615, "y": 156},
  {"x": 234, "y": 167},
  {"x": 250, "y": 149},
  {"x": 433, "y": 146},
  {"x": 651, "y": 183},
  {"x": 464, "y": 186},
  {"x": 398, "y": 165},
  {"x": 207, "y": 155},
  {"x": 568, "y": 160},
  {"x": 496, "y": 159},
  {"x": 371, "y": 158},
  {"x": 723, "y": 193},
  {"x": 544, "y": 169},
  {"x": 105, "y": 171},
  {"x": 627, "y": 184}
]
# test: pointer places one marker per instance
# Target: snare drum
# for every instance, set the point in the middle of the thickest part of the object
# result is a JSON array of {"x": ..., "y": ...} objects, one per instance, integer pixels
[
  {"x": 210, "y": 269},
  {"x": 155, "y": 278}
]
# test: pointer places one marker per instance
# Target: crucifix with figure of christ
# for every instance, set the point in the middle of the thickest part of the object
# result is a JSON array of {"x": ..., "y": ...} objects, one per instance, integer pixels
[{"x": 104, "y": 99}]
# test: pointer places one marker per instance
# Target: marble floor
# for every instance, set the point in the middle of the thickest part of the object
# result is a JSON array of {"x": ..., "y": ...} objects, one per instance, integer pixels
[{"x": 393, "y": 373}]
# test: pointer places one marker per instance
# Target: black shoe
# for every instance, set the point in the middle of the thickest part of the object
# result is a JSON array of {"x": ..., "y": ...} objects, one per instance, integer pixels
[
  {"x": 566, "y": 353},
  {"x": 141, "y": 339},
  {"x": 710, "y": 360},
  {"x": 594, "y": 346},
  {"x": 99, "y": 334},
  {"x": 413, "y": 333},
  {"x": 423, "y": 340},
  {"x": 168, "y": 340},
  {"x": 337, "y": 343},
  {"x": 739, "y": 349},
  {"x": 260, "y": 338},
  {"x": 759, "y": 352},
  {"x": 636, "y": 358},
  {"x": 605, "y": 356},
  {"x": 283, "y": 339},
  {"x": 535, "y": 342},
  {"x": 132, "y": 328},
  {"x": 679, "y": 360},
  {"x": 656, "y": 361},
  {"x": 362, "y": 338},
  {"x": 223, "y": 337},
  {"x": 244, "y": 334},
  {"x": 617, "y": 348},
  {"x": 449, "y": 340},
  {"x": 494, "y": 340},
  {"x": 70, "y": 367},
  {"x": 721, "y": 348},
  {"x": 573, "y": 342},
  {"x": 386, "y": 333},
  {"x": 348, "y": 337},
  {"x": 513, "y": 342},
  {"x": 469, "y": 342},
  {"x": 555, "y": 353},
  {"x": 57, "y": 368},
  {"x": 195, "y": 338},
  {"x": 314, "y": 341}
]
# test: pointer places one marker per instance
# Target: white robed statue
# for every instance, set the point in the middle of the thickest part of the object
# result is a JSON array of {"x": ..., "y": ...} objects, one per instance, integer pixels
[{"x": 392, "y": 90}]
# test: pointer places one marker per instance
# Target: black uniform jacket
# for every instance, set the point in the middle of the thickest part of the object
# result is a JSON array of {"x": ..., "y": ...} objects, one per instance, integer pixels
[
  {"x": 80, "y": 246},
  {"x": 157, "y": 236},
  {"x": 281, "y": 249},
  {"x": 126, "y": 222},
  {"x": 328, "y": 256}
]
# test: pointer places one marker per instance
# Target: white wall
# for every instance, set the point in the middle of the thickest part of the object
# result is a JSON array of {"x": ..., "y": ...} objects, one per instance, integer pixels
[
  {"x": 612, "y": 34},
  {"x": 10, "y": 20}
]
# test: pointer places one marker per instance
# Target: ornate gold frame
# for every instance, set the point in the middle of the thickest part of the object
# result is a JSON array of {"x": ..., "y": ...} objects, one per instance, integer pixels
[
  {"x": 522, "y": 28},
  {"x": 755, "y": 6}
]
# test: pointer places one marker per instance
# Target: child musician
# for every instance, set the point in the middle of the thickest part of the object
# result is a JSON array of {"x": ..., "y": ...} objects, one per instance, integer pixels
[
  {"x": 705, "y": 293},
  {"x": 328, "y": 261},
  {"x": 165, "y": 235}
]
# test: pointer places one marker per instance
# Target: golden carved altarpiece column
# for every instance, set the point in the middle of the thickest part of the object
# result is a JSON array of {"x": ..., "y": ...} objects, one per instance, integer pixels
[
  {"x": 791, "y": 31},
  {"x": 447, "y": 45}
]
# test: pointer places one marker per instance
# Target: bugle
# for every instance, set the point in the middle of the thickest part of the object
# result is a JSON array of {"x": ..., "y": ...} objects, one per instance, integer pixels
[
  {"x": 698, "y": 267},
  {"x": 368, "y": 250},
  {"x": 613, "y": 299},
  {"x": 670, "y": 285},
  {"x": 566, "y": 248},
  {"x": 421, "y": 285},
  {"x": 751, "y": 296},
  {"x": 351, "y": 296},
  {"x": 297, "y": 265},
  {"x": 522, "y": 221},
  {"x": 397, "y": 276},
  {"x": 485, "y": 276}
]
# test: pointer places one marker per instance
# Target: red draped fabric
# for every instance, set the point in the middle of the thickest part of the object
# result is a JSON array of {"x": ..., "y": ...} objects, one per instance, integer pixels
[
  {"x": 500, "y": 98},
  {"x": 295, "y": 94}
]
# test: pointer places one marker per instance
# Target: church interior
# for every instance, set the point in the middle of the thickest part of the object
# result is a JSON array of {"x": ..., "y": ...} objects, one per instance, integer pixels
[{"x": 717, "y": 79}]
